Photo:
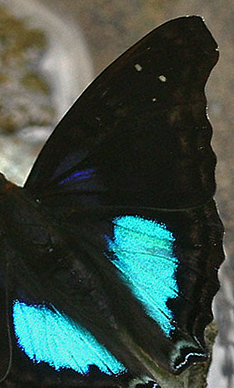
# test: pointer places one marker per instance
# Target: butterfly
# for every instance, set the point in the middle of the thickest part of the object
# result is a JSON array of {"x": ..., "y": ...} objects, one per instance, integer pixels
[{"x": 110, "y": 251}]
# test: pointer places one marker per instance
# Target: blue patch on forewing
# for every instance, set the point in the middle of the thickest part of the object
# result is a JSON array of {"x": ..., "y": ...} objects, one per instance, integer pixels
[
  {"x": 50, "y": 336},
  {"x": 78, "y": 176},
  {"x": 143, "y": 253},
  {"x": 69, "y": 162}
]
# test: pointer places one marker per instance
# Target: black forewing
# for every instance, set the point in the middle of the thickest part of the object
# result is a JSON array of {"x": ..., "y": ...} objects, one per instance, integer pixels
[{"x": 139, "y": 135}]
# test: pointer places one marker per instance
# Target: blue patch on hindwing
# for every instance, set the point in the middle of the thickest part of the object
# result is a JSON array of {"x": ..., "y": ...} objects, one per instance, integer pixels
[
  {"x": 50, "y": 336},
  {"x": 143, "y": 253}
]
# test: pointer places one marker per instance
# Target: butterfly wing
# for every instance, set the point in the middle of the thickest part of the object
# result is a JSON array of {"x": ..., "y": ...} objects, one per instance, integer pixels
[
  {"x": 129, "y": 172},
  {"x": 139, "y": 135}
]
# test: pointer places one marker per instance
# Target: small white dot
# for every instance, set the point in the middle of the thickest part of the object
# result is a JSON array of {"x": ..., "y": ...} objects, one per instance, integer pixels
[
  {"x": 138, "y": 67},
  {"x": 162, "y": 78},
  {"x": 154, "y": 99}
]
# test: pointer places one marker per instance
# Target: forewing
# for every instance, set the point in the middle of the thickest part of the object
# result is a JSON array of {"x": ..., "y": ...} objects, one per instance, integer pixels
[{"x": 139, "y": 135}]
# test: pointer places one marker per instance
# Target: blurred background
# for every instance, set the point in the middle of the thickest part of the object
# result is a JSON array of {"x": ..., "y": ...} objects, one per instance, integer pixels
[{"x": 50, "y": 51}]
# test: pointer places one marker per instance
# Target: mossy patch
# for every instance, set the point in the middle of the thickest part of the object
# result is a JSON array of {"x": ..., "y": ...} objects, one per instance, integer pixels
[{"x": 25, "y": 94}]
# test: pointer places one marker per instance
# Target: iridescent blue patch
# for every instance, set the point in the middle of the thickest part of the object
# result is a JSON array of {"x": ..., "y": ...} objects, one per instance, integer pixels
[
  {"x": 78, "y": 176},
  {"x": 69, "y": 162},
  {"x": 143, "y": 253},
  {"x": 50, "y": 336}
]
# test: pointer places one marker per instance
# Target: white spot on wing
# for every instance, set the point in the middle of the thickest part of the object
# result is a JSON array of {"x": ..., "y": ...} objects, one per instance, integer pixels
[
  {"x": 138, "y": 67},
  {"x": 162, "y": 78}
]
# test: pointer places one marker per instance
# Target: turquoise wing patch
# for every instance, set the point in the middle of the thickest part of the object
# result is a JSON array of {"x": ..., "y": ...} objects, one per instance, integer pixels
[
  {"x": 49, "y": 336},
  {"x": 143, "y": 253}
]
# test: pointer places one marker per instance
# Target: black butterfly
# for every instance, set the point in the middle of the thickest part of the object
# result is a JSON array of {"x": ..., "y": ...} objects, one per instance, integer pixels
[{"x": 110, "y": 252}]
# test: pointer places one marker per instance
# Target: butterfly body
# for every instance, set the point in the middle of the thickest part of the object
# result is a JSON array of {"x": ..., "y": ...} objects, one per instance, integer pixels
[{"x": 111, "y": 249}]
